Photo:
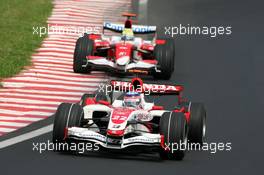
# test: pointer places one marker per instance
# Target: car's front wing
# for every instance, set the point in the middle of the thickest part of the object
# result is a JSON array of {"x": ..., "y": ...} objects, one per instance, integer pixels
[
  {"x": 140, "y": 67},
  {"x": 84, "y": 134}
]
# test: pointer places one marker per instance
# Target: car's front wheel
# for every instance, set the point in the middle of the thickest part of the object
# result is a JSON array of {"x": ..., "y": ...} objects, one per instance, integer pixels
[
  {"x": 164, "y": 54},
  {"x": 197, "y": 123},
  {"x": 173, "y": 127},
  {"x": 67, "y": 115},
  {"x": 84, "y": 47}
]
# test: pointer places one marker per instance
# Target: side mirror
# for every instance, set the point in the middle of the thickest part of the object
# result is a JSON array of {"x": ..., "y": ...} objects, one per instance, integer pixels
[
  {"x": 157, "y": 107},
  {"x": 103, "y": 102}
]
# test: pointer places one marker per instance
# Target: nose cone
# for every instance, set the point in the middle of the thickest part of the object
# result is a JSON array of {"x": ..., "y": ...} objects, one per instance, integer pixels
[{"x": 122, "y": 60}]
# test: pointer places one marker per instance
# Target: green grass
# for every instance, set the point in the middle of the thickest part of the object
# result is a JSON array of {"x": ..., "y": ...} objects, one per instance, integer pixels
[{"x": 17, "y": 42}]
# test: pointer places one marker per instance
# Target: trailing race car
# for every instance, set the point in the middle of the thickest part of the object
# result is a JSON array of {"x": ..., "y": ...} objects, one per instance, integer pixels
[
  {"x": 124, "y": 120},
  {"x": 125, "y": 54}
]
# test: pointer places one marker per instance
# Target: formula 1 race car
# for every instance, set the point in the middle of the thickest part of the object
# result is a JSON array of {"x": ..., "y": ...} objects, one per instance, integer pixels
[
  {"x": 123, "y": 120},
  {"x": 125, "y": 54}
]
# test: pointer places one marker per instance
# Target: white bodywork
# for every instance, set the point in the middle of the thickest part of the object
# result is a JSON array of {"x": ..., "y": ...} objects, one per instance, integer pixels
[
  {"x": 88, "y": 135},
  {"x": 143, "y": 114},
  {"x": 121, "y": 66}
]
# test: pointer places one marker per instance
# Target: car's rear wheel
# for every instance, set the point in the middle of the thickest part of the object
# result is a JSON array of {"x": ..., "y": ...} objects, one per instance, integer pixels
[
  {"x": 84, "y": 47},
  {"x": 173, "y": 126},
  {"x": 164, "y": 54},
  {"x": 67, "y": 115},
  {"x": 197, "y": 124}
]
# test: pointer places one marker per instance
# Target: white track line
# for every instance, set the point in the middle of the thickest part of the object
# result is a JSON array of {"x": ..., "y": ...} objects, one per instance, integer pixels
[{"x": 26, "y": 136}]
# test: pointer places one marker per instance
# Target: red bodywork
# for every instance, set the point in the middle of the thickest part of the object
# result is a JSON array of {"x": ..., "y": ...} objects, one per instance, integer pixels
[{"x": 122, "y": 48}]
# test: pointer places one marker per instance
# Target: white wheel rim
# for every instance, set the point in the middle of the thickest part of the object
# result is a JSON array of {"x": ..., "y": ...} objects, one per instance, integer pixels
[{"x": 204, "y": 128}]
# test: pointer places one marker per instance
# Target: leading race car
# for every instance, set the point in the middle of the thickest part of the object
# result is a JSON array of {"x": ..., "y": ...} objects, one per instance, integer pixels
[
  {"x": 125, "y": 53},
  {"x": 124, "y": 120}
]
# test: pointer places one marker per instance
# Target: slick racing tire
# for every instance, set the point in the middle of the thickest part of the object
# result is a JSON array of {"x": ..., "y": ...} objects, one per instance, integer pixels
[
  {"x": 164, "y": 54},
  {"x": 173, "y": 126},
  {"x": 67, "y": 115},
  {"x": 83, "y": 48},
  {"x": 197, "y": 123}
]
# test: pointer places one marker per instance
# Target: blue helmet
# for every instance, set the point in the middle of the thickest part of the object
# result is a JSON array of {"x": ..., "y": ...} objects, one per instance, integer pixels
[{"x": 132, "y": 99}]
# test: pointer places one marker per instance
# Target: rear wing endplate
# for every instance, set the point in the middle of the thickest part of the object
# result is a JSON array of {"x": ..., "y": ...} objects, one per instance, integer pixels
[{"x": 137, "y": 85}]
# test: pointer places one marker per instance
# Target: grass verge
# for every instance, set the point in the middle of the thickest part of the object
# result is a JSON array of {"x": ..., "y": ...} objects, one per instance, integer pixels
[{"x": 17, "y": 42}]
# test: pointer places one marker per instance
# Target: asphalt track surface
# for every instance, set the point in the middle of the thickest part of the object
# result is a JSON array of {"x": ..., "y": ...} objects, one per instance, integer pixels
[{"x": 224, "y": 72}]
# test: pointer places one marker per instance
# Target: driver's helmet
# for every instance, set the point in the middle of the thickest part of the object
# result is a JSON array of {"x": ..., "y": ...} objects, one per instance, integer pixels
[
  {"x": 132, "y": 99},
  {"x": 127, "y": 34}
]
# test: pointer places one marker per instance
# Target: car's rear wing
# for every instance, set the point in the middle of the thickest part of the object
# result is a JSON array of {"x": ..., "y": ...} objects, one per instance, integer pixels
[
  {"x": 137, "y": 85},
  {"x": 137, "y": 29}
]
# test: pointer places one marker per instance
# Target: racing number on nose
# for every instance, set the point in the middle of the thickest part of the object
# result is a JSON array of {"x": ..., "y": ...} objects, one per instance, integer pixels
[{"x": 119, "y": 117}]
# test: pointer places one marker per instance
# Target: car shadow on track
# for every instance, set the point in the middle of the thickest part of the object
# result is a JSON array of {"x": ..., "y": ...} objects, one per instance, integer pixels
[{"x": 119, "y": 156}]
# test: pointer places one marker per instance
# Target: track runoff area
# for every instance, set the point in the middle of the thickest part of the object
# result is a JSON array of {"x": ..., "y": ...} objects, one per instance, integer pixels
[{"x": 35, "y": 93}]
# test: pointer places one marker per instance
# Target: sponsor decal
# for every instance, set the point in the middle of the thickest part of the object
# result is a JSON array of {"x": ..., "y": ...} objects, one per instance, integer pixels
[
  {"x": 138, "y": 71},
  {"x": 113, "y": 141},
  {"x": 91, "y": 135},
  {"x": 135, "y": 28},
  {"x": 148, "y": 140}
]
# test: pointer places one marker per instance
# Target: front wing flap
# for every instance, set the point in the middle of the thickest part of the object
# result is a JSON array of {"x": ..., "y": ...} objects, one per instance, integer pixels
[
  {"x": 83, "y": 134},
  {"x": 103, "y": 64}
]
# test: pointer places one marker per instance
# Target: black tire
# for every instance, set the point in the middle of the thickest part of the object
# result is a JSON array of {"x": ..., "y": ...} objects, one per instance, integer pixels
[
  {"x": 83, "y": 48},
  {"x": 67, "y": 115},
  {"x": 173, "y": 126},
  {"x": 197, "y": 124},
  {"x": 164, "y": 54}
]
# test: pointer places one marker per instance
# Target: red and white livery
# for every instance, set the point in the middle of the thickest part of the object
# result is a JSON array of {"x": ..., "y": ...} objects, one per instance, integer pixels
[
  {"x": 125, "y": 53},
  {"x": 124, "y": 119}
]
